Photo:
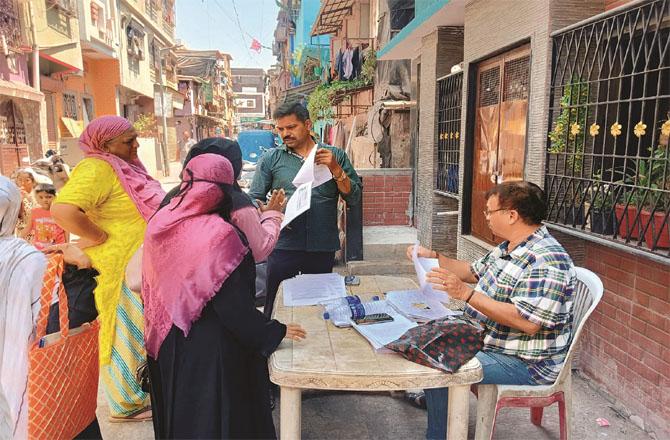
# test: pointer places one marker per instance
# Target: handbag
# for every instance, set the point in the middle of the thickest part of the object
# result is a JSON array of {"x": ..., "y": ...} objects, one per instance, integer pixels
[
  {"x": 63, "y": 368},
  {"x": 444, "y": 344}
]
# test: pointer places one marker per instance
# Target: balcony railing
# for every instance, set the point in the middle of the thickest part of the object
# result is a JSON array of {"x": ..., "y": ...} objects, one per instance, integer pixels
[
  {"x": 152, "y": 9},
  {"x": 9, "y": 23},
  {"x": 67, "y": 7}
]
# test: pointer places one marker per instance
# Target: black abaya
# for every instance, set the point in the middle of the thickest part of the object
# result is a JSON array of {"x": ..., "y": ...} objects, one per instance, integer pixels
[{"x": 214, "y": 383}]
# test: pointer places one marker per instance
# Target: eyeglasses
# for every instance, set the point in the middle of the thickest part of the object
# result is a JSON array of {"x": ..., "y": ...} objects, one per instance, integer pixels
[{"x": 488, "y": 213}]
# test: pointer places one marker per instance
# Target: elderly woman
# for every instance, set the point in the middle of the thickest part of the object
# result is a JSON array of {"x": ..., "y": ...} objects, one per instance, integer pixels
[
  {"x": 207, "y": 343},
  {"x": 107, "y": 203}
]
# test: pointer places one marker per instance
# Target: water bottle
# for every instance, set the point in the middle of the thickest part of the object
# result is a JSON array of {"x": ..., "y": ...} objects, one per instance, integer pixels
[
  {"x": 341, "y": 314},
  {"x": 342, "y": 305}
]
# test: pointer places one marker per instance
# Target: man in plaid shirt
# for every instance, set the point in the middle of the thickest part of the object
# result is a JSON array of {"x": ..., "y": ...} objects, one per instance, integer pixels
[{"x": 522, "y": 296}]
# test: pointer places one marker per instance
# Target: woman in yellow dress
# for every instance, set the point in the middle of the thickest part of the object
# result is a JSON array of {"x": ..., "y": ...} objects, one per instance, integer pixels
[{"x": 107, "y": 203}]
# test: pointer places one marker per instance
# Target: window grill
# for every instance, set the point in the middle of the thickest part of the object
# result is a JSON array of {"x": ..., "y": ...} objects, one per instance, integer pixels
[
  {"x": 608, "y": 167},
  {"x": 9, "y": 23},
  {"x": 450, "y": 92},
  {"x": 69, "y": 105}
]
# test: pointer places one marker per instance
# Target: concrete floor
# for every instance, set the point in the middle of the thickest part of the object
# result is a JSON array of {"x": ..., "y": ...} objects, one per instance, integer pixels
[{"x": 381, "y": 416}]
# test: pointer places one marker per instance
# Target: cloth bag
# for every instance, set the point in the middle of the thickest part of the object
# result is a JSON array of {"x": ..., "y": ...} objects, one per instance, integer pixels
[
  {"x": 442, "y": 344},
  {"x": 63, "y": 368}
]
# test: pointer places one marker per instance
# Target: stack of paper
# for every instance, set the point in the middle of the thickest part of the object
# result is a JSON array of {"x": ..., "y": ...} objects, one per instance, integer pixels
[
  {"x": 312, "y": 289},
  {"x": 418, "y": 306},
  {"x": 382, "y": 333}
]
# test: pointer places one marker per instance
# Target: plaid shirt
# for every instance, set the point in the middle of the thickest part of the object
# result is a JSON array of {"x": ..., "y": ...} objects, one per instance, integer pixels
[{"x": 538, "y": 277}]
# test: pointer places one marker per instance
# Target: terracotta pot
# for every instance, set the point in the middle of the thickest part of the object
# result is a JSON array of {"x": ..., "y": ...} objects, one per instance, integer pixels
[
  {"x": 655, "y": 229},
  {"x": 626, "y": 221}
]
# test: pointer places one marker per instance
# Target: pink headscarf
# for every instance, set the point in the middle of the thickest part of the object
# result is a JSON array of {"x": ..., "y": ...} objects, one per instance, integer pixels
[
  {"x": 143, "y": 189},
  {"x": 189, "y": 251}
]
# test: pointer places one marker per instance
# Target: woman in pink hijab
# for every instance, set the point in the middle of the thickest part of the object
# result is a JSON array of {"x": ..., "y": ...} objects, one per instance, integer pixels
[
  {"x": 207, "y": 343},
  {"x": 107, "y": 203}
]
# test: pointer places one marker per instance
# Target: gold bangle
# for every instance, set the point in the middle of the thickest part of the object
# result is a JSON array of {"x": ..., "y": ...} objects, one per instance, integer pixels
[{"x": 341, "y": 178}]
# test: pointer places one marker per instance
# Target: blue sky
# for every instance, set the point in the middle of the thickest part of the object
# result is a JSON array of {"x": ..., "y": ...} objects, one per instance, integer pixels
[{"x": 212, "y": 24}]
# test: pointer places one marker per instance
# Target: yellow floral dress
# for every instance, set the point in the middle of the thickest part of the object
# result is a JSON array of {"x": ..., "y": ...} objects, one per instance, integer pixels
[{"x": 95, "y": 189}]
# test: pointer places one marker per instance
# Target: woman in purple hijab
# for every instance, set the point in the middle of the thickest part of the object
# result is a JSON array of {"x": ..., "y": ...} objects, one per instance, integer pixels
[{"x": 207, "y": 343}]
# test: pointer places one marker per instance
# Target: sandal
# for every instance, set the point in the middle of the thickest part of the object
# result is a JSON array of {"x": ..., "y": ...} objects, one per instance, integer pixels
[
  {"x": 143, "y": 415},
  {"x": 417, "y": 400}
]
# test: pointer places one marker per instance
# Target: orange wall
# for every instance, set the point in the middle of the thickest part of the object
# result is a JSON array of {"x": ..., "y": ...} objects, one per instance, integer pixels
[{"x": 99, "y": 81}]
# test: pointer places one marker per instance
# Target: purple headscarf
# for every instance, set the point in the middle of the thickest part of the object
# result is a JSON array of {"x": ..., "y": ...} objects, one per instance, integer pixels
[
  {"x": 143, "y": 189},
  {"x": 189, "y": 251}
]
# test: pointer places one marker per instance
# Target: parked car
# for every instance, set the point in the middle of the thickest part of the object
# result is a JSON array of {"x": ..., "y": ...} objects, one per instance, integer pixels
[{"x": 254, "y": 142}]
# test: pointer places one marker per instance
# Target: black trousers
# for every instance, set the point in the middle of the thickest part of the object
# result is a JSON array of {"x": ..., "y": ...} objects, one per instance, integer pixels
[{"x": 283, "y": 264}]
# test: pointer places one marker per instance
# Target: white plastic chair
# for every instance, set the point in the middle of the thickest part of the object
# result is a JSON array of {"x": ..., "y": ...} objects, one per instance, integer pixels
[{"x": 491, "y": 398}]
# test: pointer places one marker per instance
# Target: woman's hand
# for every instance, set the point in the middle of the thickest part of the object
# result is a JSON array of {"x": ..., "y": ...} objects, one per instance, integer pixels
[
  {"x": 71, "y": 255},
  {"x": 447, "y": 281},
  {"x": 423, "y": 252},
  {"x": 277, "y": 202},
  {"x": 295, "y": 332}
]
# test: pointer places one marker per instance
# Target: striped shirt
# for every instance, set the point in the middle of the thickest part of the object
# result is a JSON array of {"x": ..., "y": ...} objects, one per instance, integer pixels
[
  {"x": 538, "y": 277},
  {"x": 315, "y": 230}
]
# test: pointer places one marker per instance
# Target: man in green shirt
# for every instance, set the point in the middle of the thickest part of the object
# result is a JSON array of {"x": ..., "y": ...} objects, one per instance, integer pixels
[{"x": 308, "y": 243}]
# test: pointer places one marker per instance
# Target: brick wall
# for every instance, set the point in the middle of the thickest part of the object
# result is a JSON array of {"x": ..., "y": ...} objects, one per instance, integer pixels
[
  {"x": 386, "y": 196},
  {"x": 626, "y": 345}
]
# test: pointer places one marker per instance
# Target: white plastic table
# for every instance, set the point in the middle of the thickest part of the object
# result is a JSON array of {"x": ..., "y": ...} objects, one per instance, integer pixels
[{"x": 332, "y": 358}]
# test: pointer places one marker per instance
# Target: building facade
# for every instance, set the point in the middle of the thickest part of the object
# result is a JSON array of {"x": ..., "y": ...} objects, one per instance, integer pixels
[{"x": 250, "y": 94}]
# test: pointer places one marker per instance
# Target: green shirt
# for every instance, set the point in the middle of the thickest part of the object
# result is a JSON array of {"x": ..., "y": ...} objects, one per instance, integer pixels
[{"x": 316, "y": 229}]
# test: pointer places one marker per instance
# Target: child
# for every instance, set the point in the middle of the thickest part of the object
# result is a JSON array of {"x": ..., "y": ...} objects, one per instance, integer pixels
[{"x": 39, "y": 223}]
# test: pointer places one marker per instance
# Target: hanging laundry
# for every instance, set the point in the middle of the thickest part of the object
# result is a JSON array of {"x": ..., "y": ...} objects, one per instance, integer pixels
[
  {"x": 348, "y": 66},
  {"x": 356, "y": 63}
]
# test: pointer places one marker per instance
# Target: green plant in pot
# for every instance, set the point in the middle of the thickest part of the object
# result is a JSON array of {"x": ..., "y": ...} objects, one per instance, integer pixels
[
  {"x": 634, "y": 214},
  {"x": 603, "y": 219},
  {"x": 653, "y": 174}
]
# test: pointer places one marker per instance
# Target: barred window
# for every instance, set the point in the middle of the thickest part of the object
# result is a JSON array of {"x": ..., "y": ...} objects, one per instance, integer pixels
[
  {"x": 450, "y": 91},
  {"x": 70, "y": 105},
  {"x": 608, "y": 169}
]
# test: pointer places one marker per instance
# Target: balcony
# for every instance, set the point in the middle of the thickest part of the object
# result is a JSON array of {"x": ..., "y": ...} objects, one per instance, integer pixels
[
  {"x": 67, "y": 7},
  {"x": 151, "y": 8},
  {"x": 9, "y": 23}
]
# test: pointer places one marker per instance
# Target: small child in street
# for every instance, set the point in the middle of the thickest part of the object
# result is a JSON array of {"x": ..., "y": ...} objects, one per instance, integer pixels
[{"x": 40, "y": 225}]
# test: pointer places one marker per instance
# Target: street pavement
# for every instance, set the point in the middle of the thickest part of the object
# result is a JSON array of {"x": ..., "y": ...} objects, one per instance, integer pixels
[{"x": 382, "y": 416}]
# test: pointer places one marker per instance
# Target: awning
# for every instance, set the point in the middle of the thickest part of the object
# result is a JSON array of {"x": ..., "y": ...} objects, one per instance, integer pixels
[
  {"x": 330, "y": 16},
  {"x": 74, "y": 127},
  {"x": 405, "y": 45},
  {"x": 20, "y": 90}
]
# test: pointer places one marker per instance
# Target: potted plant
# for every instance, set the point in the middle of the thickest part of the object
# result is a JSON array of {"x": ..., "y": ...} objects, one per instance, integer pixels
[
  {"x": 603, "y": 220},
  {"x": 652, "y": 172}
]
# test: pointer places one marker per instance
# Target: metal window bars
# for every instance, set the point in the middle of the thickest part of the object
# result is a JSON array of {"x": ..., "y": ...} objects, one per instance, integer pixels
[
  {"x": 450, "y": 92},
  {"x": 608, "y": 165}
]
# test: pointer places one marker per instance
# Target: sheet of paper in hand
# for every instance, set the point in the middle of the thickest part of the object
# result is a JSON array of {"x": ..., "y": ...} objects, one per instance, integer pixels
[
  {"x": 311, "y": 172},
  {"x": 299, "y": 202},
  {"x": 422, "y": 266}
]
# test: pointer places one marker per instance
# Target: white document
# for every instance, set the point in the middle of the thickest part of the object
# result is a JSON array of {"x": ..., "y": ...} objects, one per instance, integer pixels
[
  {"x": 313, "y": 289},
  {"x": 382, "y": 333},
  {"x": 422, "y": 266},
  {"x": 311, "y": 172},
  {"x": 299, "y": 202},
  {"x": 416, "y": 305}
]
